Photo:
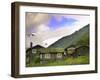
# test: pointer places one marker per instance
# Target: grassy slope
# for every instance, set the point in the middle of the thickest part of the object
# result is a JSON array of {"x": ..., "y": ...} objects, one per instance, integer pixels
[{"x": 72, "y": 39}]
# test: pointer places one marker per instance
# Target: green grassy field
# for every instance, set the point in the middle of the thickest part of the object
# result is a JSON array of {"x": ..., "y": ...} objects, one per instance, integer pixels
[{"x": 66, "y": 61}]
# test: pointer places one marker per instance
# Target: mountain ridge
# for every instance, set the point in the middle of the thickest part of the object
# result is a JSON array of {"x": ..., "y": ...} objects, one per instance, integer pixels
[{"x": 71, "y": 39}]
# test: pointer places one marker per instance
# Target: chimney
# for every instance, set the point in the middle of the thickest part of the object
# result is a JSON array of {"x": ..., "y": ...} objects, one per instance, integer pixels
[{"x": 31, "y": 44}]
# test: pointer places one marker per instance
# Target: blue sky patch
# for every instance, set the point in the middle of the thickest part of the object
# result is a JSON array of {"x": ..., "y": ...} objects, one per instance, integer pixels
[{"x": 54, "y": 23}]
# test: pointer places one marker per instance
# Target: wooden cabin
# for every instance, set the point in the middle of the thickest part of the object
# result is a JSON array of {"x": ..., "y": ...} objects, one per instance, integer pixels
[
  {"x": 46, "y": 53},
  {"x": 70, "y": 51},
  {"x": 82, "y": 50},
  {"x": 51, "y": 53},
  {"x": 77, "y": 50},
  {"x": 32, "y": 53}
]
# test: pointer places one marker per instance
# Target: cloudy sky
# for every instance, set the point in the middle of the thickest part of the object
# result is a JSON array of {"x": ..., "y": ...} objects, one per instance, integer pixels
[{"x": 45, "y": 29}]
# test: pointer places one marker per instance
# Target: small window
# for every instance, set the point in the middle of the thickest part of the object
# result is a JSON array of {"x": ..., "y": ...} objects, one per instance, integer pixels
[
  {"x": 59, "y": 55},
  {"x": 33, "y": 51},
  {"x": 47, "y": 56},
  {"x": 41, "y": 57}
]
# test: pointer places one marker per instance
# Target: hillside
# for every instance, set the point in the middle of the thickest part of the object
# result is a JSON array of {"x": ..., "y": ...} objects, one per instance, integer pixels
[{"x": 80, "y": 37}]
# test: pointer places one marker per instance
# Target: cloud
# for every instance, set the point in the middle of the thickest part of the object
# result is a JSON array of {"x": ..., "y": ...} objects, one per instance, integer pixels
[
  {"x": 36, "y": 22},
  {"x": 42, "y": 28},
  {"x": 30, "y": 18}
]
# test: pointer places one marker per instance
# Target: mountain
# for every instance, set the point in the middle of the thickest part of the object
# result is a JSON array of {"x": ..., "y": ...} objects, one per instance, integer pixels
[{"x": 80, "y": 37}]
